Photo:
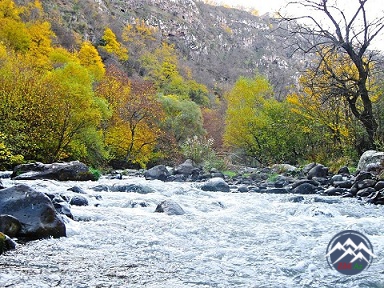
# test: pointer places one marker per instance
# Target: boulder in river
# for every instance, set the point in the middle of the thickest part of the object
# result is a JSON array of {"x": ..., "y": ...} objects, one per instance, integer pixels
[
  {"x": 169, "y": 207},
  {"x": 70, "y": 171},
  {"x": 216, "y": 184},
  {"x": 34, "y": 210},
  {"x": 159, "y": 172}
]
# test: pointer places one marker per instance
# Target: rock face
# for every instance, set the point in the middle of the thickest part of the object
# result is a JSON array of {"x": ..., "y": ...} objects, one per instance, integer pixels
[
  {"x": 34, "y": 211},
  {"x": 71, "y": 171},
  {"x": 169, "y": 207},
  {"x": 371, "y": 160}
]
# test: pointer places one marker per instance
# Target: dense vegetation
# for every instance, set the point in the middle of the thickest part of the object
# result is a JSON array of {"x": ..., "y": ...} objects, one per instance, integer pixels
[{"x": 126, "y": 100}]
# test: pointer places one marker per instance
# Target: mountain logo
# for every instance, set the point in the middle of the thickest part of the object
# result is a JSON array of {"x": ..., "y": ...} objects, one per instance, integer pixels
[{"x": 349, "y": 252}]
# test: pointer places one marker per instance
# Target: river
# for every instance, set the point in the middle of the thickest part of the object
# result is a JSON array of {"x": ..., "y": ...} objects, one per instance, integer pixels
[{"x": 223, "y": 240}]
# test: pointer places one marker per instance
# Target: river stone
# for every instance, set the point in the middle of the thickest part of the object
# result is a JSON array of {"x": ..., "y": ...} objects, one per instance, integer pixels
[
  {"x": 71, "y": 171},
  {"x": 371, "y": 158},
  {"x": 169, "y": 207},
  {"x": 185, "y": 168},
  {"x": 78, "y": 200},
  {"x": 335, "y": 191},
  {"x": 216, "y": 184},
  {"x": 365, "y": 192},
  {"x": 305, "y": 188},
  {"x": 296, "y": 199},
  {"x": 9, "y": 225},
  {"x": 318, "y": 171},
  {"x": 379, "y": 185},
  {"x": 1, "y": 185},
  {"x": 6, "y": 243},
  {"x": 34, "y": 210},
  {"x": 77, "y": 189},
  {"x": 159, "y": 172},
  {"x": 141, "y": 189}
]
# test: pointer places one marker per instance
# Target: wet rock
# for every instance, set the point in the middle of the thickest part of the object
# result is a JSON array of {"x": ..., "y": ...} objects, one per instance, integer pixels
[
  {"x": 326, "y": 200},
  {"x": 9, "y": 225},
  {"x": 71, "y": 171},
  {"x": 134, "y": 204},
  {"x": 77, "y": 189},
  {"x": 1, "y": 185},
  {"x": 169, "y": 207},
  {"x": 159, "y": 172},
  {"x": 296, "y": 199},
  {"x": 63, "y": 208},
  {"x": 34, "y": 210},
  {"x": 305, "y": 188},
  {"x": 379, "y": 185},
  {"x": 343, "y": 184},
  {"x": 302, "y": 181},
  {"x": 185, "y": 168},
  {"x": 335, "y": 191},
  {"x": 318, "y": 171},
  {"x": 78, "y": 200},
  {"x": 141, "y": 189},
  {"x": 100, "y": 188},
  {"x": 243, "y": 189},
  {"x": 344, "y": 171},
  {"x": 6, "y": 243},
  {"x": 366, "y": 183},
  {"x": 365, "y": 192},
  {"x": 215, "y": 184}
]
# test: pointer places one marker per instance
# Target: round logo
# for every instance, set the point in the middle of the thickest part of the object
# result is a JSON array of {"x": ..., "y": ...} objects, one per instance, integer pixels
[{"x": 350, "y": 252}]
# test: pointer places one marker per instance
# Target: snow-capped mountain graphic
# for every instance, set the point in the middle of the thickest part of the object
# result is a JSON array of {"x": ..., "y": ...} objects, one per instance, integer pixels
[
  {"x": 351, "y": 249},
  {"x": 359, "y": 256}
]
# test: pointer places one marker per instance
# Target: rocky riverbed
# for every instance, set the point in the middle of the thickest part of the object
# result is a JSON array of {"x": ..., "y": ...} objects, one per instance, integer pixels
[{"x": 257, "y": 229}]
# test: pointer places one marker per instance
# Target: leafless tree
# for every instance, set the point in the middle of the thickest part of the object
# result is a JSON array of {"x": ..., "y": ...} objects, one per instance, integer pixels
[{"x": 327, "y": 27}]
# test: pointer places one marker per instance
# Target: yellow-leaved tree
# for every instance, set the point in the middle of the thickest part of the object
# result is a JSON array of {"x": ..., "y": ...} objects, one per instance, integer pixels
[
  {"x": 90, "y": 58},
  {"x": 112, "y": 46}
]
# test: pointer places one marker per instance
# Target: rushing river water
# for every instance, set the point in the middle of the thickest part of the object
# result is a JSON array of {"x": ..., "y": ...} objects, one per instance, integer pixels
[{"x": 223, "y": 240}]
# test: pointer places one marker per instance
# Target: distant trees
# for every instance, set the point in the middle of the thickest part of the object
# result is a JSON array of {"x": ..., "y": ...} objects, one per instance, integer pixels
[
  {"x": 258, "y": 126},
  {"x": 330, "y": 31}
]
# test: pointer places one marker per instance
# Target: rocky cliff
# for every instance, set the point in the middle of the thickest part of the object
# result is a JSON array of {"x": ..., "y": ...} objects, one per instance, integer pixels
[{"x": 219, "y": 44}]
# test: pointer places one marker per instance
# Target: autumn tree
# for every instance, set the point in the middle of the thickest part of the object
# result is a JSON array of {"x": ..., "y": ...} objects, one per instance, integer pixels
[
  {"x": 111, "y": 45},
  {"x": 133, "y": 131},
  {"x": 258, "y": 126},
  {"x": 326, "y": 27}
]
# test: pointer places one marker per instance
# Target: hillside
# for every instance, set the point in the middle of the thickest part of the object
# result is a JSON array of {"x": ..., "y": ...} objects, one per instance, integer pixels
[{"x": 219, "y": 44}]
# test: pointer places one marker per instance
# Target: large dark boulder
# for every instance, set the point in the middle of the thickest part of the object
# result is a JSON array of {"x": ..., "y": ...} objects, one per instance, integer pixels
[
  {"x": 34, "y": 210},
  {"x": 70, "y": 171},
  {"x": 159, "y": 172},
  {"x": 318, "y": 171},
  {"x": 305, "y": 188},
  {"x": 169, "y": 207}
]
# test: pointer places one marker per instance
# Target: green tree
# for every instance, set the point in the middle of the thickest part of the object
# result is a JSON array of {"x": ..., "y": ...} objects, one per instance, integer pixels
[
  {"x": 254, "y": 121},
  {"x": 183, "y": 118}
]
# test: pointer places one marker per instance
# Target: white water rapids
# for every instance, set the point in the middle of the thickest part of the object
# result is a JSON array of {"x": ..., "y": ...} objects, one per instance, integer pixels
[{"x": 223, "y": 240}]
